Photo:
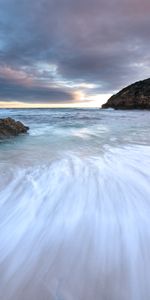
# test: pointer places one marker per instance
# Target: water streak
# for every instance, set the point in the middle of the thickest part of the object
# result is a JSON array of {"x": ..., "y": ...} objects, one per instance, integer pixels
[{"x": 75, "y": 210}]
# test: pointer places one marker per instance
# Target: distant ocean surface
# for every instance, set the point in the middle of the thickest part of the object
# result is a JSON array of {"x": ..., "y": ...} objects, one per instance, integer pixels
[{"x": 75, "y": 206}]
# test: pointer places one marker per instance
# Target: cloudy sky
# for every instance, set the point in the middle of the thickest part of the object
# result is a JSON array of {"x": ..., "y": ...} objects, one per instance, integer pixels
[{"x": 71, "y": 52}]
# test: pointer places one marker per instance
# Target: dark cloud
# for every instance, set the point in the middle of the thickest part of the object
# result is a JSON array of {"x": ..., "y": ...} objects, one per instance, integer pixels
[
  {"x": 10, "y": 91},
  {"x": 93, "y": 41}
]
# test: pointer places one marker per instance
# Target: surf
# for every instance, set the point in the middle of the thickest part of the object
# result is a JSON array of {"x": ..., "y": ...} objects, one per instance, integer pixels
[{"x": 77, "y": 228}]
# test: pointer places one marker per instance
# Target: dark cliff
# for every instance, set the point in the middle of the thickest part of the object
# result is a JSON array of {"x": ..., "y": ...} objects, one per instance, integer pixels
[{"x": 134, "y": 96}]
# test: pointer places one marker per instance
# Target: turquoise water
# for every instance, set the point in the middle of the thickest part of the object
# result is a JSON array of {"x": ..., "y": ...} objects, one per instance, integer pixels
[{"x": 75, "y": 206}]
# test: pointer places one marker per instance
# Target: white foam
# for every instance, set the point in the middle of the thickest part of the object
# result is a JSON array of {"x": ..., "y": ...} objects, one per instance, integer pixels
[{"x": 78, "y": 229}]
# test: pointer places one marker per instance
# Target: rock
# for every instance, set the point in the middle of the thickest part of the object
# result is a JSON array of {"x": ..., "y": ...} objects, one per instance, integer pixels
[
  {"x": 9, "y": 127},
  {"x": 134, "y": 96}
]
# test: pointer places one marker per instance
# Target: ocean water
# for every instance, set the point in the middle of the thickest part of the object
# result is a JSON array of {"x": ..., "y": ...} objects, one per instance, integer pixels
[{"x": 75, "y": 206}]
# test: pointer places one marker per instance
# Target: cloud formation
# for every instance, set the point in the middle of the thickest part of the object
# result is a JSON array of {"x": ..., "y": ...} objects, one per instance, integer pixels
[{"x": 53, "y": 50}]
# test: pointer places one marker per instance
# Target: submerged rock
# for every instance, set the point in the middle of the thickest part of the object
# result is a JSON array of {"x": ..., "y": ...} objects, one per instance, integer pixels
[
  {"x": 134, "y": 96},
  {"x": 9, "y": 127}
]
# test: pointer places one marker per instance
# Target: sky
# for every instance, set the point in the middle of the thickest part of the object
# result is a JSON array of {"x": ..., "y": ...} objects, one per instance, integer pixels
[{"x": 71, "y": 53}]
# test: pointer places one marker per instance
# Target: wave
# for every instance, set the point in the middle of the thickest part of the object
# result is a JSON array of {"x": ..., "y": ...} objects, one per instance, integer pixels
[{"x": 77, "y": 228}]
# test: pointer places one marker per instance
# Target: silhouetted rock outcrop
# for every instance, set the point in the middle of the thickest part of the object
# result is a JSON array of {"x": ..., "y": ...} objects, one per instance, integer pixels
[
  {"x": 9, "y": 127},
  {"x": 134, "y": 96}
]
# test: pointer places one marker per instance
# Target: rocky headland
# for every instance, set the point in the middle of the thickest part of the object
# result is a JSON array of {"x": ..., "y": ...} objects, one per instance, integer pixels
[
  {"x": 9, "y": 127},
  {"x": 134, "y": 96}
]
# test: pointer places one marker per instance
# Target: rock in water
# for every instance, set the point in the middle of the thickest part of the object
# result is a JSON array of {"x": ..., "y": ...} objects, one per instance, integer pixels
[
  {"x": 9, "y": 127},
  {"x": 134, "y": 96}
]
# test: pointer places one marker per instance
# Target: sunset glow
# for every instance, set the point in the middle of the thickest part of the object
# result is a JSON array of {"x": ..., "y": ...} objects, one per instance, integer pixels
[{"x": 71, "y": 54}]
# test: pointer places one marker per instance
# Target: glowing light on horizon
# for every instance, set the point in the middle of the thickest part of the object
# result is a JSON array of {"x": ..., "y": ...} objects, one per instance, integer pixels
[{"x": 80, "y": 101}]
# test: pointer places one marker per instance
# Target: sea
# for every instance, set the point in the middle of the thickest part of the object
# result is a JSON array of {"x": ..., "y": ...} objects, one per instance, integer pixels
[{"x": 75, "y": 206}]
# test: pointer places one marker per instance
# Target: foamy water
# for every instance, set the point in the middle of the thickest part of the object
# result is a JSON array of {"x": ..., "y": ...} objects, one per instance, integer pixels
[{"x": 75, "y": 206}]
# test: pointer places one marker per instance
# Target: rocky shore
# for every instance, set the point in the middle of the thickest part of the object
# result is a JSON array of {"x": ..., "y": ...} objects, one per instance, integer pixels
[
  {"x": 9, "y": 127},
  {"x": 134, "y": 96}
]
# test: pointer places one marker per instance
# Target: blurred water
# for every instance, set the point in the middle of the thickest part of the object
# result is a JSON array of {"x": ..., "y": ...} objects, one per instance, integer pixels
[{"x": 75, "y": 206}]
